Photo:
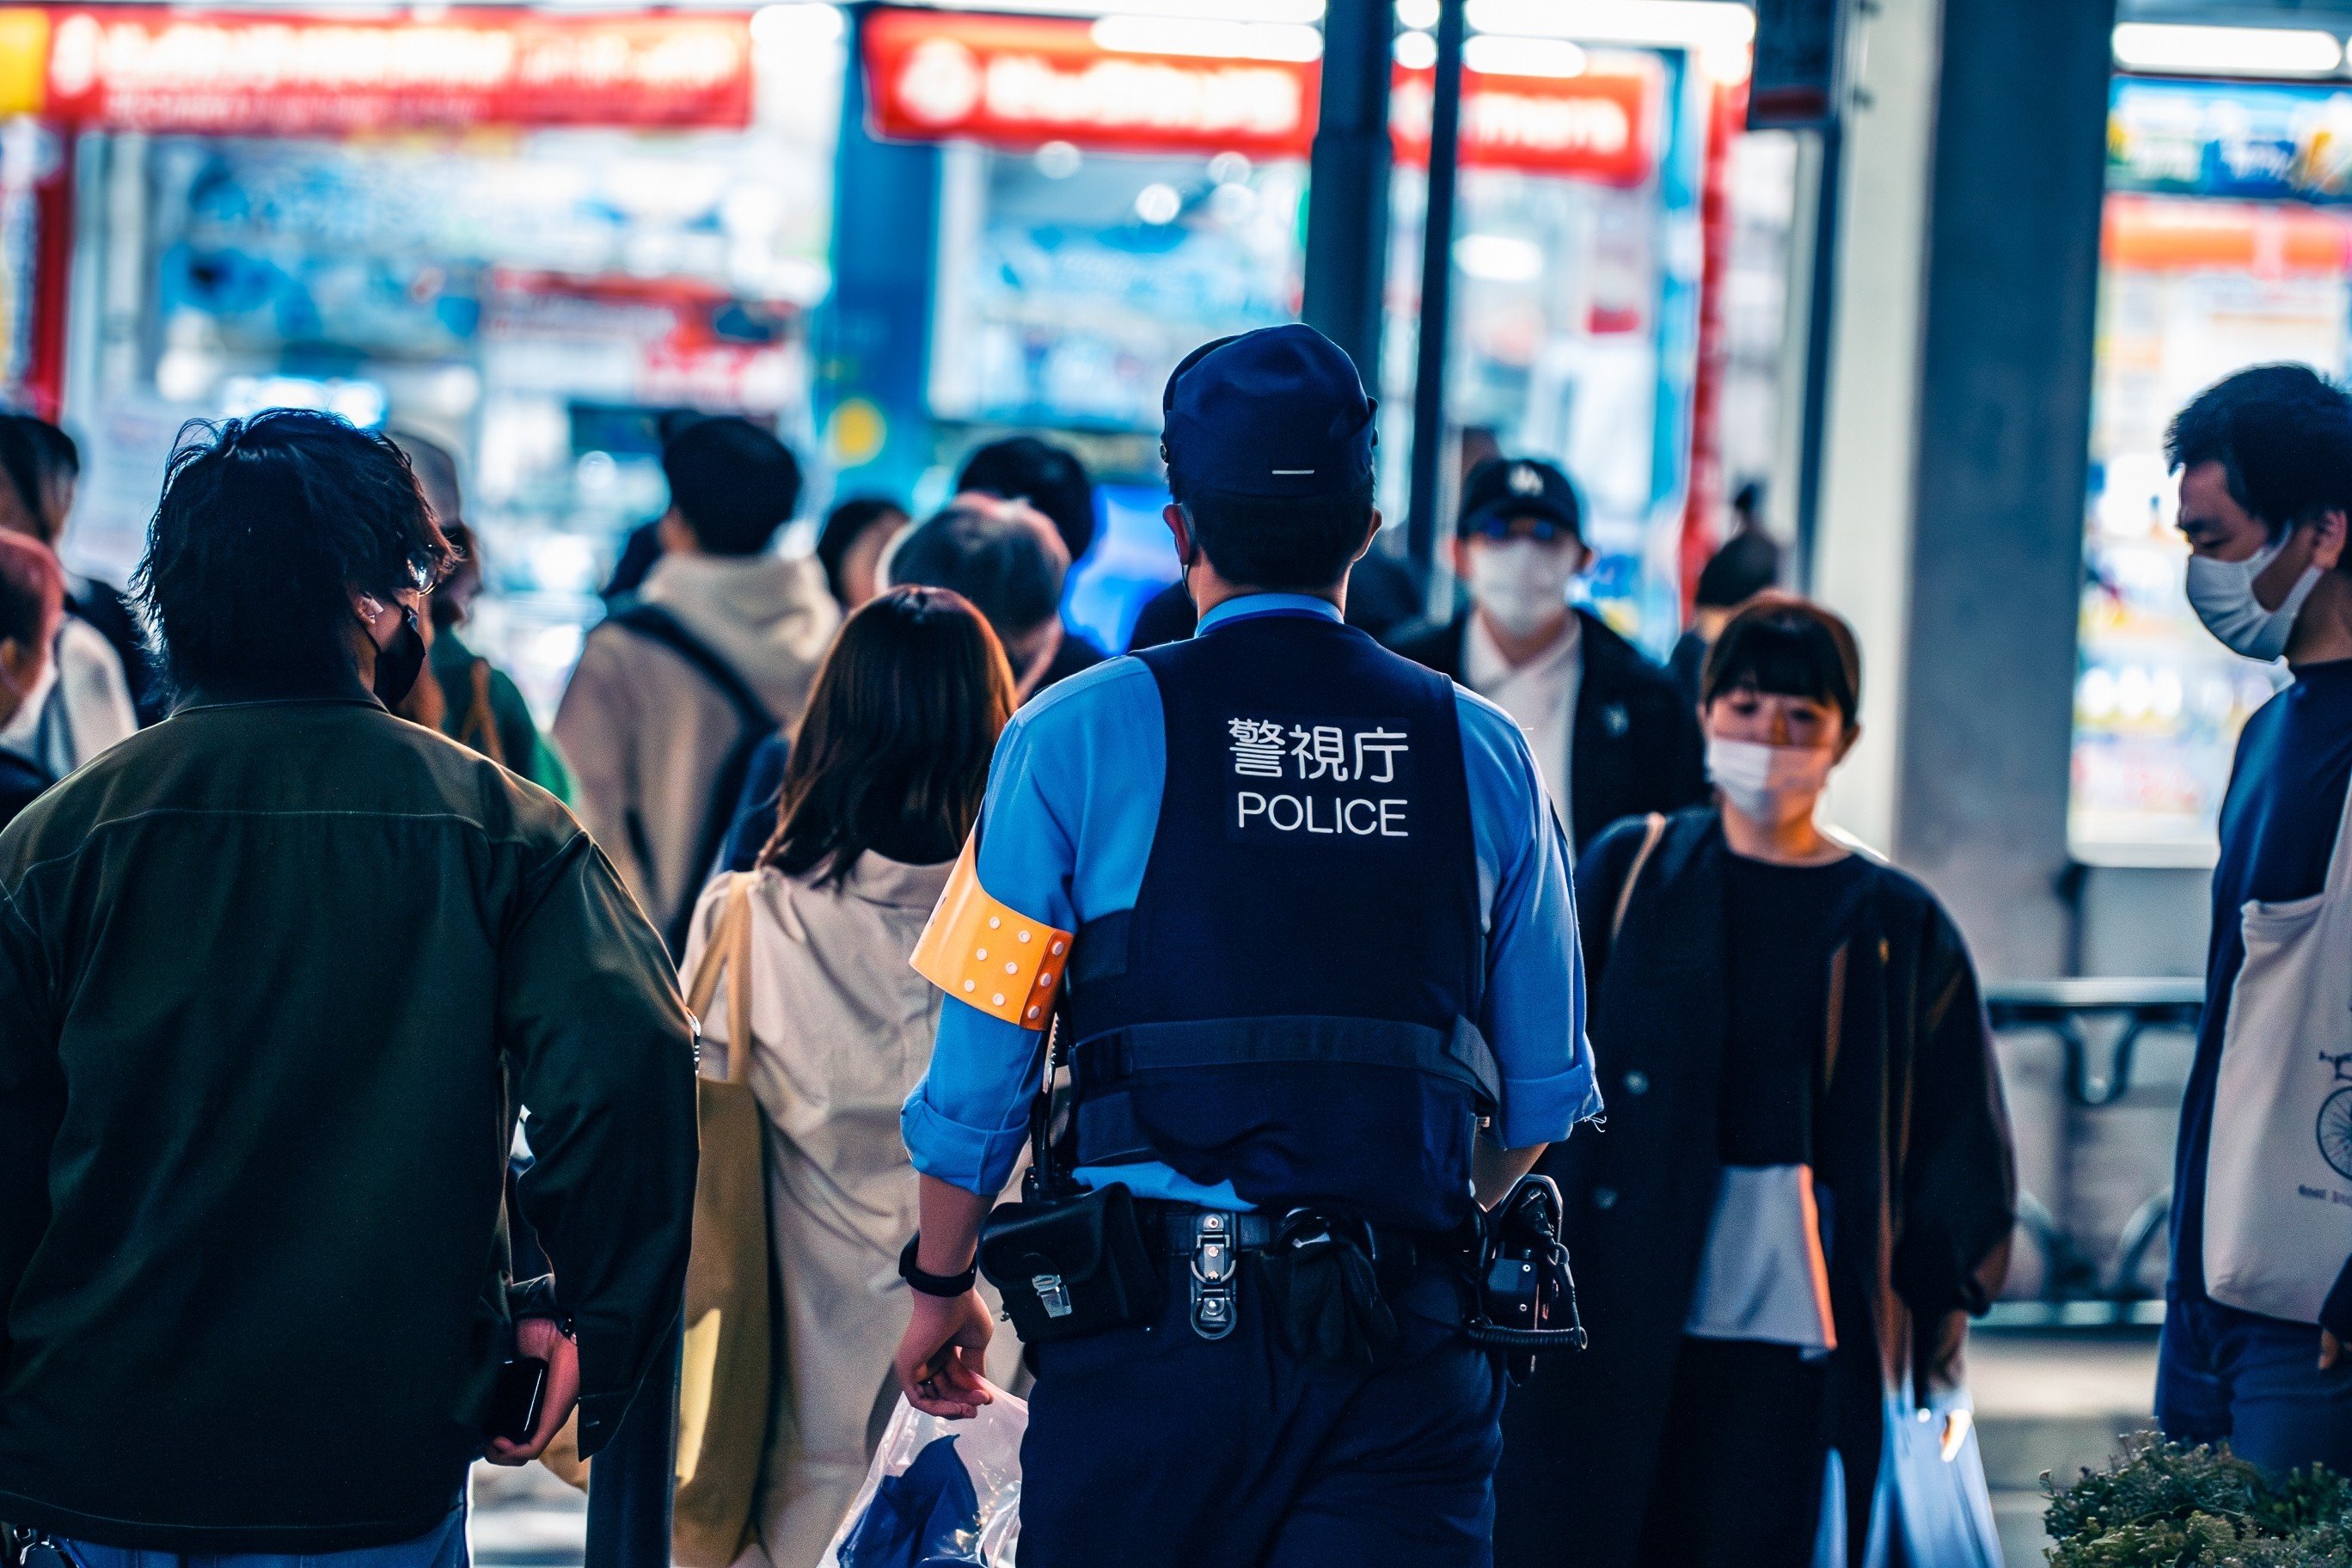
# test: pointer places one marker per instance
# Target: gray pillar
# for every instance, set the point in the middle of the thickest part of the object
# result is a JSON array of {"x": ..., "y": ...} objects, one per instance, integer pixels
[
  {"x": 1987, "y": 671},
  {"x": 1348, "y": 189}
]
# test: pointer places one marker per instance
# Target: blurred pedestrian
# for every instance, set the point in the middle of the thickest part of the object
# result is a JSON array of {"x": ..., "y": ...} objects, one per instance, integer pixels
[
  {"x": 1006, "y": 559},
  {"x": 55, "y": 475},
  {"x": 89, "y": 706},
  {"x": 850, "y": 544},
  {"x": 479, "y": 702},
  {"x": 1807, "y": 1185},
  {"x": 2265, "y": 465},
  {"x": 1049, "y": 477},
  {"x": 32, "y": 601},
  {"x": 678, "y": 686},
  {"x": 1747, "y": 564},
  {"x": 1051, "y": 481},
  {"x": 1612, "y": 733},
  {"x": 850, "y": 548},
  {"x": 881, "y": 792},
  {"x": 276, "y": 975}
]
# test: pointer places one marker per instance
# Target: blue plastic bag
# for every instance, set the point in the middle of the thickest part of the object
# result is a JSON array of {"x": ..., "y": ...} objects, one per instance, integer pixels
[
  {"x": 939, "y": 1493},
  {"x": 1931, "y": 1477},
  {"x": 1931, "y": 1493}
]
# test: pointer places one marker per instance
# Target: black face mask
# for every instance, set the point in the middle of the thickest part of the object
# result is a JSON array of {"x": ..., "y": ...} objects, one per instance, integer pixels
[{"x": 398, "y": 664}]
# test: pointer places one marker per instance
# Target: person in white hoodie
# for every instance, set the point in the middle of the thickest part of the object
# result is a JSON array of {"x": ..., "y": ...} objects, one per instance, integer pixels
[
  {"x": 881, "y": 791},
  {"x": 713, "y": 653}
]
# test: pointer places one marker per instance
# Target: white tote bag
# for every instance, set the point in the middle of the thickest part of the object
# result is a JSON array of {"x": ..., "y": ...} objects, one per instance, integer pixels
[{"x": 2278, "y": 1170}]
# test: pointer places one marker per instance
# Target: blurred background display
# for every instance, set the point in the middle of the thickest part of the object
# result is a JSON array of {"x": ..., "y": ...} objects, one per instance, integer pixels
[{"x": 2222, "y": 247}]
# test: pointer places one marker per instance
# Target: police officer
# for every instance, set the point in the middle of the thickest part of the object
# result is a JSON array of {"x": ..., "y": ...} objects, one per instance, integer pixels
[{"x": 1308, "y": 908}]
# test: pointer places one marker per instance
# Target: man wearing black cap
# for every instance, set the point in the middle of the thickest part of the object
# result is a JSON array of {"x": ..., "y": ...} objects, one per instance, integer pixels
[
  {"x": 1314, "y": 910},
  {"x": 1613, "y": 736}
]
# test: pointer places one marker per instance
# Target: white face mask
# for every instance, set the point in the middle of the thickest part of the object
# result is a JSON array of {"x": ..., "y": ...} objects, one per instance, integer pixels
[
  {"x": 1770, "y": 785},
  {"x": 1520, "y": 584},
  {"x": 2223, "y": 595}
]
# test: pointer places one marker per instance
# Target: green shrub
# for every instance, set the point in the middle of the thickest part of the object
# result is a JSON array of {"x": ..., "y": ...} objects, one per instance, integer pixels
[{"x": 2160, "y": 1505}]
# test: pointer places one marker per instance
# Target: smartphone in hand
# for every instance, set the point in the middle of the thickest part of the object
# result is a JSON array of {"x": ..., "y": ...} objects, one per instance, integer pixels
[{"x": 515, "y": 1403}]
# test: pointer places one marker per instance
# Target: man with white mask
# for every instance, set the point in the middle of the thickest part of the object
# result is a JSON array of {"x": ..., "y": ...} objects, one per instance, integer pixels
[
  {"x": 2265, "y": 465},
  {"x": 1611, "y": 731}
]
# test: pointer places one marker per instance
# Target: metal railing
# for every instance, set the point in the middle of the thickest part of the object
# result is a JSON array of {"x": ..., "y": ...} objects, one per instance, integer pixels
[
  {"x": 2072, "y": 1278},
  {"x": 2062, "y": 1006}
]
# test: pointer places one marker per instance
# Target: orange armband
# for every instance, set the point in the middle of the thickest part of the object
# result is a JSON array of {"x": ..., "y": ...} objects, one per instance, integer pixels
[{"x": 989, "y": 954}]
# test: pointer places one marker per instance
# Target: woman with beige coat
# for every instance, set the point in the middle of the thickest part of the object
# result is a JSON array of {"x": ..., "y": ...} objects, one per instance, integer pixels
[{"x": 884, "y": 784}]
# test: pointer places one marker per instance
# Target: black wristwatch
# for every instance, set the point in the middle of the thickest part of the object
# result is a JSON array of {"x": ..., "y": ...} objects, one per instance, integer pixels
[{"x": 946, "y": 1286}]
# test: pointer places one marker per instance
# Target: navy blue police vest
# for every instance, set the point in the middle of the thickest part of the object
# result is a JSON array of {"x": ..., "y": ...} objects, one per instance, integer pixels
[{"x": 1287, "y": 1005}]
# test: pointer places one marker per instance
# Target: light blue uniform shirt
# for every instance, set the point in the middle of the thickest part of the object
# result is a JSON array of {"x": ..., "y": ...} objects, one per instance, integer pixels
[{"x": 1072, "y": 809}]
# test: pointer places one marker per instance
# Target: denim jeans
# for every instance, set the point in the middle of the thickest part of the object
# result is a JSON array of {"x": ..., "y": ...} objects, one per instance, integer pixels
[
  {"x": 2225, "y": 1375},
  {"x": 443, "y": 1546}
]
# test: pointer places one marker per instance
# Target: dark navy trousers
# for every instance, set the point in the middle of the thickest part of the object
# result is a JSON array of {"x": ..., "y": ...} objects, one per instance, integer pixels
[{"x": 1151, "y": 1448}]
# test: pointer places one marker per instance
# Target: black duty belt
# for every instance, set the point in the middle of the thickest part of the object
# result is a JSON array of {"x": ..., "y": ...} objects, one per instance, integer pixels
[
  {"x": 1174, "y": 1229},
  {"x": 1214, "y": 1240}
]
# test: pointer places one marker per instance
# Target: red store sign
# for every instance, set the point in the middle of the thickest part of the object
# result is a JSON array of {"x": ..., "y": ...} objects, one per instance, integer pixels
[
  {"x": 157, "y": 69},
  {"x": 1599, "y": 126},
  {"x": 1019, "y": 82}
]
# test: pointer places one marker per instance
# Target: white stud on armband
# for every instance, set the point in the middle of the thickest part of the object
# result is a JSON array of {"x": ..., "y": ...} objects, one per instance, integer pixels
[{"x": 989, "y": 954}]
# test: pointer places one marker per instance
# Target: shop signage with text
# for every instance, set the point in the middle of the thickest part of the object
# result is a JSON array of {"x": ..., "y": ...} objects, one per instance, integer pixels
[
  {"x": 156, "y": 69},
  {"x": 1021, "y": 81}
]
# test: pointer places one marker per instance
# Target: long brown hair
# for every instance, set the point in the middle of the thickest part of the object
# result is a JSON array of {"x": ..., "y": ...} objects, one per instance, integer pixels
[{"x": 893, "y": 755}]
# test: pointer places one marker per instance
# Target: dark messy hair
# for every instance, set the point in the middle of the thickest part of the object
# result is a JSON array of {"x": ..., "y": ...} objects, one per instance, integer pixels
[
  {"x": 844, "y": 525},
  {"x": 1001, "y": 561},
  {"x": 2283, "y": 435},
  {"x": 266, "y": 527},
  {"x": 1052, "y": 479},
  {"x": 1298, "y": 544},
  {"x": 734, "y": 483},
  {"x": 893, "y": 754},
  {"x": 1785, "y": 647}
]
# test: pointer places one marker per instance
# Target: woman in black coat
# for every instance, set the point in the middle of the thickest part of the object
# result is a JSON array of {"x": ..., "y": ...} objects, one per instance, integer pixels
[{"x": 1805, "y": 1183}]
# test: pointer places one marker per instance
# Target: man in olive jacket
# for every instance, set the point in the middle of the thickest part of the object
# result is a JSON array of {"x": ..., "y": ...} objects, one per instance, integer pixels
[{"x": 276, "y": 976}]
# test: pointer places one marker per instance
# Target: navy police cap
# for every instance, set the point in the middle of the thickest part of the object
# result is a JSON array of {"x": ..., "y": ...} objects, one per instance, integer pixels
[{"x": 1277, "y": 412}]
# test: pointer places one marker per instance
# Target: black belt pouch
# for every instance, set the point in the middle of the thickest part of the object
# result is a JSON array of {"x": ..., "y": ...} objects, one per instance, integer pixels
[{"x": 1072, "y": 1267}]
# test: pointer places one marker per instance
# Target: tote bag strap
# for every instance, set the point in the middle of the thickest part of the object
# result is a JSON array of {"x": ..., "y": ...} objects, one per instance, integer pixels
[
  {"x": 729, "y": 953},
  {"x": 1653, "y": 829}
]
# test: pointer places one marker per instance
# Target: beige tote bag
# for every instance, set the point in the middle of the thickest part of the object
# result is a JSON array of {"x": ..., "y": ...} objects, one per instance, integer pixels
[{"x": 723, "y": 1384}]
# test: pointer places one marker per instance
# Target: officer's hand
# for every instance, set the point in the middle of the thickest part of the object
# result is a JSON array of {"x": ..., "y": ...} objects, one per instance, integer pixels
[
  {"x": 2331, "y": 1350},
  {"x": 938, "y": 1362}
]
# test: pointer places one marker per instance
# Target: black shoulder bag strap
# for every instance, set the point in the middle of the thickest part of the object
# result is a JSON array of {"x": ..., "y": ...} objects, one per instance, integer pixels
[{"x": 657, "y": 624}]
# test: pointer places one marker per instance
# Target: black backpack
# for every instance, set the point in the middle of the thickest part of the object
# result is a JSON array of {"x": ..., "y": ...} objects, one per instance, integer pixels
[{"x": 755, "y": 722}]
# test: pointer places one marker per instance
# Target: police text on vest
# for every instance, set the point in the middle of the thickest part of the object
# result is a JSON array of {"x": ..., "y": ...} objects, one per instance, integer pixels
[{"x": 1345, "y": 778}]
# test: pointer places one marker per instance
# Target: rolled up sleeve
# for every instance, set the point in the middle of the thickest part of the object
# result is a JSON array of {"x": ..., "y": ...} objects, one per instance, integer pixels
[{"x": 966, "y": 1121}]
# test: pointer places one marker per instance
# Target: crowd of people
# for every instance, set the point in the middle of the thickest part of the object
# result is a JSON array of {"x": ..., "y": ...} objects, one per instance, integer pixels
[{"x": 279, "y": 972}]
